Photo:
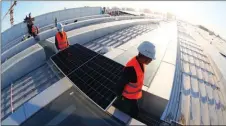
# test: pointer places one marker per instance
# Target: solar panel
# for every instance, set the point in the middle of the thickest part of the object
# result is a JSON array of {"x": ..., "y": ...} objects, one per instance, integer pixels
[{"x": 95, "y": 75}]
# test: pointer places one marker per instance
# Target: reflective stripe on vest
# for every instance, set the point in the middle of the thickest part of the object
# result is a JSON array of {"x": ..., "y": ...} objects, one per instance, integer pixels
[
  {"x": 134, "y": 90},
  {"x": 62, "y": 41},
  {"x": 132, "y": 85}
]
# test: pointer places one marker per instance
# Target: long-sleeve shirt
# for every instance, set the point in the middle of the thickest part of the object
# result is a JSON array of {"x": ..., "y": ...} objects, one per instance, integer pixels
[
  {"x": 56, "y": 43},
  {"x": 128, "y": 75}
]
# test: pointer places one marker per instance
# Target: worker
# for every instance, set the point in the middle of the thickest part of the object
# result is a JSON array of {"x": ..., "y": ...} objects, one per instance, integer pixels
[
  {"x": 29, "y": 20},
  {"x": 130, "y": 85},
  {"x": 61, "y": 40},
  {"x": 55, "y": 22},
  {"x": 34, "y": 30}
]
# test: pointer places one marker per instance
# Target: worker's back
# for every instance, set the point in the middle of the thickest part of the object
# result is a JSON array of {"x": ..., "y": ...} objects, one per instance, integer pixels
[{"x": 61, "y": 40}]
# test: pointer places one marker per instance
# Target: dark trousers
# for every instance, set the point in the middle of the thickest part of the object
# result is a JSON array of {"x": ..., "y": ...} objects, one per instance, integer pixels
[
  {"x": 129, "y": 106},
  {"x": 29, "y": 29}
]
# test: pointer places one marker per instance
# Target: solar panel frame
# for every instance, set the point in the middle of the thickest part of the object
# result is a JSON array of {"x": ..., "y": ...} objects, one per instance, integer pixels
[{"x": 92, "y": 99}]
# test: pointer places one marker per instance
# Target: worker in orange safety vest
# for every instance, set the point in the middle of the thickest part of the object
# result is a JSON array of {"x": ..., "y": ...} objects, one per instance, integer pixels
[
  {"x": 34, "y": 30},
  {"x": 130, "y": 84},
  {"x": 61, "y": 40}
]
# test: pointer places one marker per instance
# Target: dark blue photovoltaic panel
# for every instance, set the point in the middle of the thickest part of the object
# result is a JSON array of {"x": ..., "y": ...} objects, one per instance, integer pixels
[
  {"x": 72, "y": 57},
  {"x": 94, "y": 74}
]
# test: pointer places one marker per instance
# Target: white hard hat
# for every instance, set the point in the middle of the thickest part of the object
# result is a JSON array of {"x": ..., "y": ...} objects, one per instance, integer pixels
[
  {"x": 59, "y": 27},
  {"x": 147, "y": 49}
]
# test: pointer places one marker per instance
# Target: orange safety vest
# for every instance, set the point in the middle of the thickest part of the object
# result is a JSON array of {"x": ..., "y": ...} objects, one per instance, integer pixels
[
  {"x": 34, "y": 29},
  {"x": 62, "y": 41},
  {"x": 134, "y": 90}
]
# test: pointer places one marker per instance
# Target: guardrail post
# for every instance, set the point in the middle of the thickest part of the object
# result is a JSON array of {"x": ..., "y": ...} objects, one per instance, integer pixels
[{"x": 11, "y": 98}]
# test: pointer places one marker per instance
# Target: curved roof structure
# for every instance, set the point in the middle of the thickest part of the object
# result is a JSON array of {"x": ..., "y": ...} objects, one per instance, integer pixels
[
  {"x": 182, "y": 85},
  {"x": 198, "y": 98}
]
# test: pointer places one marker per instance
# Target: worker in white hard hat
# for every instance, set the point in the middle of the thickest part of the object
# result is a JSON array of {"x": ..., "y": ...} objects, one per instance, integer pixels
[
  {"x": 130, "y": 85},
  {"x": 61, "y": 40}
]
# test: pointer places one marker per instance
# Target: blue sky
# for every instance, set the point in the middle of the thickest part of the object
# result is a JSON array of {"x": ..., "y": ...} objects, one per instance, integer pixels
[{"x": 211, "y": 14}]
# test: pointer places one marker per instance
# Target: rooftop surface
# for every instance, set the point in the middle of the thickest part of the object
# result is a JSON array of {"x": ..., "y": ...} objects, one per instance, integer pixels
[
  {"x": 187, "y": 73},
  {"x": 197, "y": 98},
  {"x": 132, "y": 36},
  {"x": 32, "y": 86}
]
